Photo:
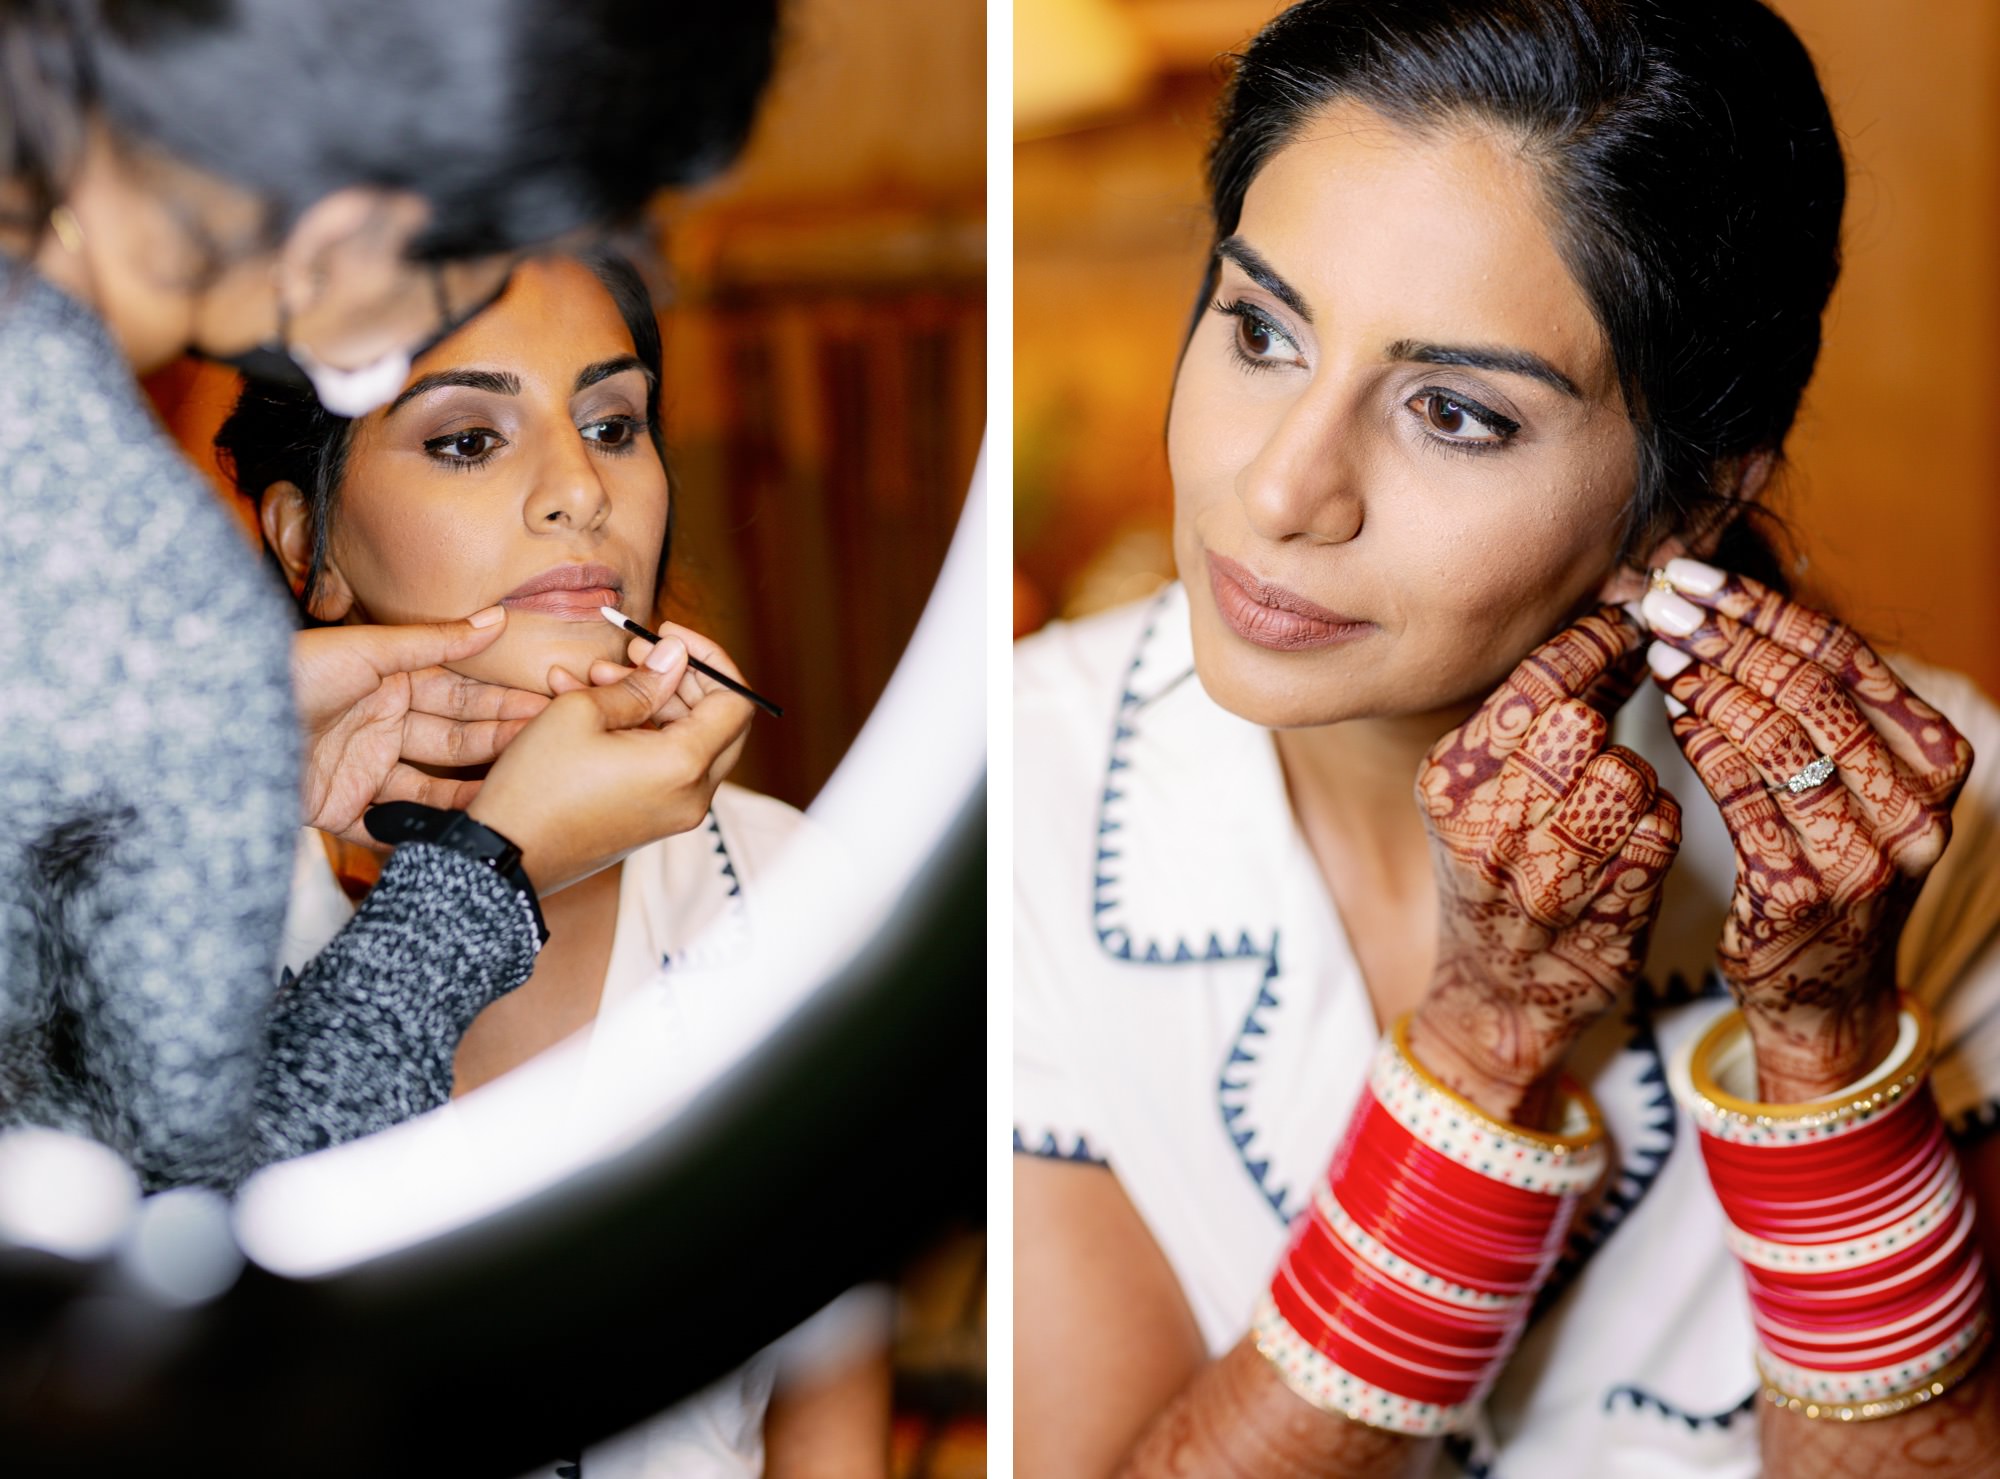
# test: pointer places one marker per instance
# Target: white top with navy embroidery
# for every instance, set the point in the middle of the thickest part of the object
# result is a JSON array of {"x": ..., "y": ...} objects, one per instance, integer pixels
[
  {"x": 686, "y": 905},
  {"x": 1188, "y": 1012}
]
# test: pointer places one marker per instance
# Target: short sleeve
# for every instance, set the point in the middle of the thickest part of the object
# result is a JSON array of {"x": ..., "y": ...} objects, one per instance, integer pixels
[
  {"x": 1052, "y": 1112},
  {"x": 1058, "y": 685}
]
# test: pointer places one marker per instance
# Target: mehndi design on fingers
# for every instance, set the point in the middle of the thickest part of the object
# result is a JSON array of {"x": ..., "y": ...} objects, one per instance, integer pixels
[
  {"x": 1814, "y": 904},
  {"x": 1549, "y": 851}
]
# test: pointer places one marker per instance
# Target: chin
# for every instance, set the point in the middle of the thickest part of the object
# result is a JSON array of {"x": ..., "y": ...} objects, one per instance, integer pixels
[
  {"x": 1266, "y": 690},
  {"x": 1276, "y": 691},
  {"x": 522, "y": 659}
]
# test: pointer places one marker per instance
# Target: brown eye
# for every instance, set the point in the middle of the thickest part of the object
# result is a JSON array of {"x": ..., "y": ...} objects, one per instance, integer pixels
[
  {"x": 464, "y": 447},
  {"x": 616, "y": 434},
  {"x": 1255, "y": 337},
  {"x": 1456, "y": 420}
]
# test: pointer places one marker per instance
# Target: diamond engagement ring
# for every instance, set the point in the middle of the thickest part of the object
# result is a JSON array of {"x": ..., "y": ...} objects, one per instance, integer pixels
[{"x": 1815, "y": 774}]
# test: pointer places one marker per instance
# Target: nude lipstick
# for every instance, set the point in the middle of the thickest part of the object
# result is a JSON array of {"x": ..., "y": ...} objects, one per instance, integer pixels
[
  {"x": 568, "y": 592},
  {"x": 1273, "y": 617}
]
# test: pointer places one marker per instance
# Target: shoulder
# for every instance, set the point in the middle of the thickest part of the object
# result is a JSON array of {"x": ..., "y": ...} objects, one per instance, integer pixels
[
  {"x": 754, "y": 819},
  {"x": 1078, "y": 662},
  {"x": 736, "y": 844},
  {"x": 1950, "y": 955},
  {"x": 1067, "y": 681}
]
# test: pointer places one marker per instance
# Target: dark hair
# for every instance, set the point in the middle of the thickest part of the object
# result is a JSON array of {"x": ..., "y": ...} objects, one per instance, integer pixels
[
  {"x": 518, "y": 120},
  {"x": 1692, "y": 174},
  {"x": 280, "y": 433}
]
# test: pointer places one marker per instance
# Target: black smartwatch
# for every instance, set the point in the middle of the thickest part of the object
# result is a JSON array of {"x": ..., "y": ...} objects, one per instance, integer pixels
[{"x": 411, "y": 821}]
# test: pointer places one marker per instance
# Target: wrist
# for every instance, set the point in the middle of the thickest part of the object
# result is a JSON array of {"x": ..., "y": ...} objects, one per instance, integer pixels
[
  {"x": 1477, "y": 1056},
  {"x": 1803, "y": 1056},
  {"x": 397, "y": 822}
]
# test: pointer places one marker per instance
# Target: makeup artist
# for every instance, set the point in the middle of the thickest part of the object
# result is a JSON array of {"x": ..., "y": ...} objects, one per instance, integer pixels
[
  {"x": 1369, "y": 905},
  {"x": 312, "y": 192}
]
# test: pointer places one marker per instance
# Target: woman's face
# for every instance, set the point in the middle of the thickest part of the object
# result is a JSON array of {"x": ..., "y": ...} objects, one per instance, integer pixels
[
  {"x": 1399, "y": 450},
  {"x": 515, "y": 467}
]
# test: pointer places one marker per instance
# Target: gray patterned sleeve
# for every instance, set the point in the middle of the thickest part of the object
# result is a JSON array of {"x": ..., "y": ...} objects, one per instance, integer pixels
[{"x": 148, "y": 802}]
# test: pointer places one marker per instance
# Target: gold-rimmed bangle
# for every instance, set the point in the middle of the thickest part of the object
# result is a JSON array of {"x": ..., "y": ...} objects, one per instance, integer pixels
[
  {"x": 1735, "y": 1118},
  {"x": 1572, "y": 1095},
  {"x": 1934, "y": 1386}
]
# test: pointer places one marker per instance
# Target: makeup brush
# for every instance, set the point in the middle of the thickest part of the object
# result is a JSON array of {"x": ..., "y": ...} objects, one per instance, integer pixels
[{"x": 625, "y": 623}]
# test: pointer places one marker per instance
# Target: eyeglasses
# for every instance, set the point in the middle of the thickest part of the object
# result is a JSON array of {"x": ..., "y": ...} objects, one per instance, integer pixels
[{"x": 450, "y": 323}]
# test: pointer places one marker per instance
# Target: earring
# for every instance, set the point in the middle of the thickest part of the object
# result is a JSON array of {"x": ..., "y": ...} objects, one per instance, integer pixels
[{"x": 68, "y": 230}]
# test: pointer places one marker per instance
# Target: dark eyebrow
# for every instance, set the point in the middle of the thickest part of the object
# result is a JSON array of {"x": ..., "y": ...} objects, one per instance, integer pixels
[
  {"x": 604, "y": 369},
  {"x": 1236, "y": 249},
  {"x": 1506, "y": 361},
  {"x": 498, "y": 382}
]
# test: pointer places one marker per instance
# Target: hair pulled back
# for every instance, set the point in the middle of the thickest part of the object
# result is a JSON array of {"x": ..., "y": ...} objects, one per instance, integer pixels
[
  {"x": 518, "y": 120},
  {"x": 280, "y": 433},
  {"x": 1693, "y": 181}
]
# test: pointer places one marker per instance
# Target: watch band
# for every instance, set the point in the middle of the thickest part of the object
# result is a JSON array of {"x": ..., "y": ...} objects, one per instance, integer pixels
[{"x": 411, "y": 821}]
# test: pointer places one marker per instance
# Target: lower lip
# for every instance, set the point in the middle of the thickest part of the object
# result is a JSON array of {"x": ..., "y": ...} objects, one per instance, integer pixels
[
  {"x": 1273, "y": 626},
  {"x": 566, "y": 605}
]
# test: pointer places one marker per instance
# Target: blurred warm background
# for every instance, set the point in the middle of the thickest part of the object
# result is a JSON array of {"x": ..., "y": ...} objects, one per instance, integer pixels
[
  {"x": 1894, "y": 489},
  {"x": 824, "y": 315}
]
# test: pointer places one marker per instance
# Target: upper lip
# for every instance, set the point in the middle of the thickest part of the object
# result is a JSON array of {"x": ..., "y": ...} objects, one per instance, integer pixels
[
  {"x": 1276, "y": 596},
  {"x": 569, "y": 578}
]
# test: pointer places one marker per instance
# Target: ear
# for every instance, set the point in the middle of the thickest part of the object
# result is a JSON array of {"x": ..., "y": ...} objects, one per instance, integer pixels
[
  {"x": 348, "y": 247},
  {"x": 1741, "y": 486},
  {"x": 285, "y": 517}
]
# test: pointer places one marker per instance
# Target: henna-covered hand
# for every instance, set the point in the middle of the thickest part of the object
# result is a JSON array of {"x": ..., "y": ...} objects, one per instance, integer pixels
[
  {"x": 1549, "y": 848},
  {"x": 1825, "y": 878}
]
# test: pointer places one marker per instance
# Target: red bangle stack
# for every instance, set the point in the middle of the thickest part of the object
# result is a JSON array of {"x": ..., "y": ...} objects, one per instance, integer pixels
[
  {"x": 1866, "y": 1282},
  {"x": 1407, "y": 1284}
]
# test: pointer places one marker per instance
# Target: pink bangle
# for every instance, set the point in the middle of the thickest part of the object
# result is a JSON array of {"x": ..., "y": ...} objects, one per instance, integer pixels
[
  {"x": 1407, "y": 1283},
  {"x": 1866, "y": 1282}
]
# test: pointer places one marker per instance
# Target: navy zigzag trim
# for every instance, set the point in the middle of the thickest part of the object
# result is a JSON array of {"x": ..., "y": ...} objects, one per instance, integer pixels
[
  {"x": 1050, "y": 1149},
  {"x": 1637, "y": 1172},
  {"x": 1970, "y": 1126},
  {"x": 722, "y": 851},
  {"x": 1233, "y": 1081},
  {"x": 1644, "y": 1400}
]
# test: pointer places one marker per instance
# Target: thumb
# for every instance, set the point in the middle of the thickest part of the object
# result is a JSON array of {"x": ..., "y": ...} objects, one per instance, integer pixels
[
  {"x": 644, "y": 691},
  {"x": 426, "y": 644}
]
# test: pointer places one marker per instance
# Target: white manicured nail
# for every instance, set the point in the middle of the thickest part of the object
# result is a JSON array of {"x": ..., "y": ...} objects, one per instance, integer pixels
[
  {"x": 1675, "y": 706},
  {"x": 1692, "y": 575},
  {"x": 1670, "y": 613},
  {"x": 666, "y": 654},
  {"x": 1667, "y": 662}
]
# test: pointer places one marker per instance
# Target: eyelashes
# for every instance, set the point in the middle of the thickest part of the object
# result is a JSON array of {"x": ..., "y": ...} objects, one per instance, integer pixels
[
  {"x": 475, "y": 446},
  {"x": 1252, "y": 326},
  {"x": 1259, "y": 344},
  {"x": 450, "y": 451},
  {"x": 1445, "y": 412}
]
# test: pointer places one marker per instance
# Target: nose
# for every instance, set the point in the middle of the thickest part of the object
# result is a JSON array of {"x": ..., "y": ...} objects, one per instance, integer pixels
[
  {"x": 568, "y": 492},
  {"x": 1305, "y": 481}
]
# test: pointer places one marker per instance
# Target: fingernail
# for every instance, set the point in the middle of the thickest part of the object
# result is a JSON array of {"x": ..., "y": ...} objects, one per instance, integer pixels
[
  {"x": 1667, "y": 662},
  {"x": 666, "y": 654},
  {"x": 1675, "y": 706},
  {"x": 1692, "y": 575},
  {"x": 491, "y": 616},
  {"x": 1670, "y": 613},
  {"x": 1638, "y": 615}
]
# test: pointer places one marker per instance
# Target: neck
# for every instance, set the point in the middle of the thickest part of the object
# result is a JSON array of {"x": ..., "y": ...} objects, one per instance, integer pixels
[
  {"x": 581, "y": 901},
  {"x": 1357, "y": 781}
]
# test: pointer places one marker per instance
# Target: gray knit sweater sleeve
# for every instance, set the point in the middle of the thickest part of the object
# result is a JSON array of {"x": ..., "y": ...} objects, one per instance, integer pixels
[{"x": 148, "y": 802}]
